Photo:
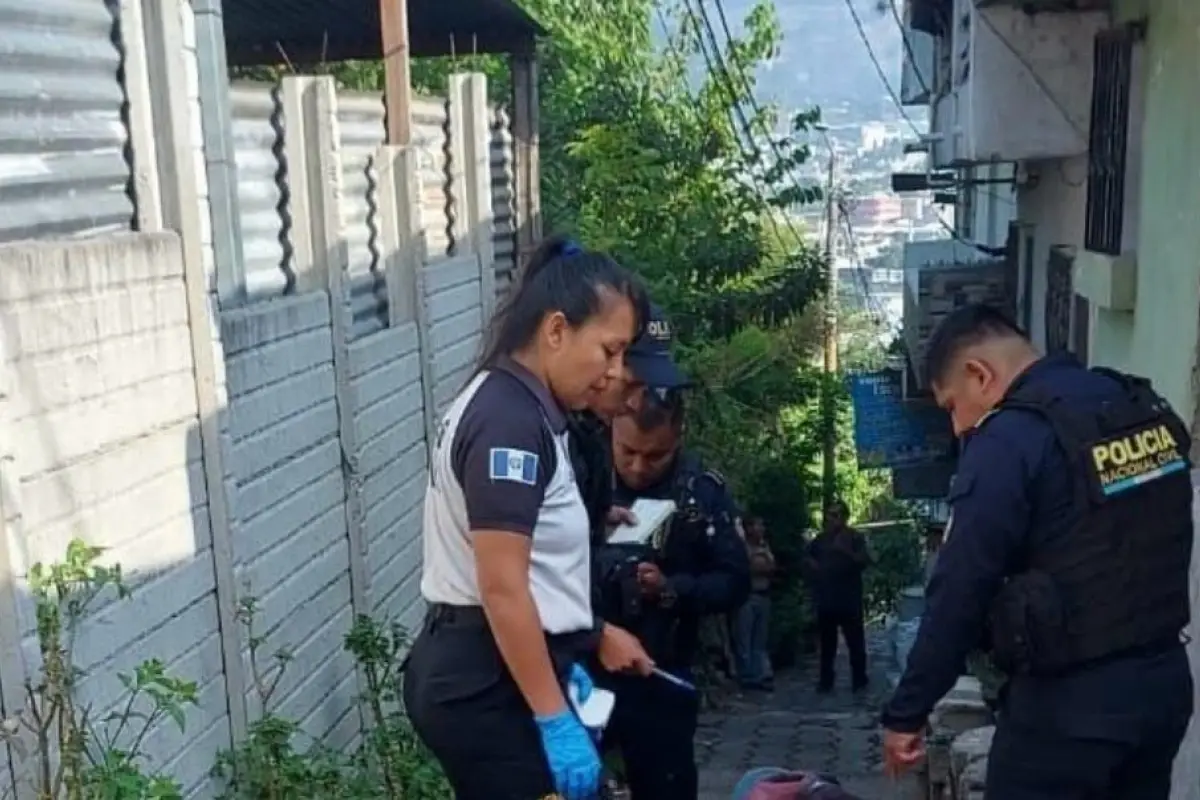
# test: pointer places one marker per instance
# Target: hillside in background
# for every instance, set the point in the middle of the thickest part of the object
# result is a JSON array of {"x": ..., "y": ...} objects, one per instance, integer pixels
[{"x": 824, "y": 62}]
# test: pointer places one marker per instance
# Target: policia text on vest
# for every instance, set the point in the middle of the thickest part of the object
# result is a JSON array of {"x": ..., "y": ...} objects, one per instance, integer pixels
[
  {"x": 1115, "y": 582},
  {"x": 1127, "y": 461}
]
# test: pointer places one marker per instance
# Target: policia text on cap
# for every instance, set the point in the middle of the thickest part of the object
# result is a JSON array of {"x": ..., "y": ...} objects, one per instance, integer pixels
[
  {"x": 1069, "y": 541},
  {"x": 506, "y": 544}
]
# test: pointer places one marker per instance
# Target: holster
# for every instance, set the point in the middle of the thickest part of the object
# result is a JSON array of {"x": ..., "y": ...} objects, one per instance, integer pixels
[{"x": 1028, "y": 626}]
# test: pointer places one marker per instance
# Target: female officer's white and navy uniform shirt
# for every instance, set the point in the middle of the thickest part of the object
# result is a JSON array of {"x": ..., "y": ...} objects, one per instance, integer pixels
[{"x": 501, "y": 464}]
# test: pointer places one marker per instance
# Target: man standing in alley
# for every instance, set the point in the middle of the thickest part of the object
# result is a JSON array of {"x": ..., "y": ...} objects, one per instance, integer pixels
[
  {"x": 836, "y": 559},
  {"x": 753, "y": 620},
  {"x": 1069, "y": 542}
]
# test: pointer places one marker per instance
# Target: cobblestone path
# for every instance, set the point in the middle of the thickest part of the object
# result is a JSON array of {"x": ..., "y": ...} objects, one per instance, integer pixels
[{"x": 796, "y": 727}]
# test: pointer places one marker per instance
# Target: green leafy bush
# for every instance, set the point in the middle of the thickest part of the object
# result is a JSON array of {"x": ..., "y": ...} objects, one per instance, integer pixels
[
  {"x": 69, "y": 750},
  {"x": 277, "y": 763}
]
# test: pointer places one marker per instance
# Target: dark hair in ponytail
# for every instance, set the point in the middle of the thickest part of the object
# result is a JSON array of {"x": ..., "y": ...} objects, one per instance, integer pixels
[{"x": 560, "y": 276}]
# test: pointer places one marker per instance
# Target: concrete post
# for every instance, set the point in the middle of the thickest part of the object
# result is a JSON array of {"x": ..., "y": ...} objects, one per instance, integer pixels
[
  {"x": 401, "y": 235},
  {"x": 295, "y": 91},
  {"x": 207, "y": 36},
  {"x": 404, "y": 241},
  {"x": 476, "y": 133},
  {"x": 330, "y": 251},
  {"x": 173, "y": 125},
  {"x": 146, "y": 189}
]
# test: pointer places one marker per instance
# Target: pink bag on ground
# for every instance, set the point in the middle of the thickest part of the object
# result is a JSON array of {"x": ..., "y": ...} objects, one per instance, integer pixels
[{"x": 795, "y": 786}]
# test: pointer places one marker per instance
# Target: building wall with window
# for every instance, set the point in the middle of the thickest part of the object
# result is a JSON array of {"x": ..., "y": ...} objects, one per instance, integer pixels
[
  {"x": 1051, "y": 198},
  {"x": 1161, "y": 228},
  {"x": 1158, "y": 337}
]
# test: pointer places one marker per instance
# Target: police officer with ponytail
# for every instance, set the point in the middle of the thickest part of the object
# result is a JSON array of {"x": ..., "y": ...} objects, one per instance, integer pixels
[
  {"x": 1067, "y": 555},
  {"x": 506, "y": 571}
]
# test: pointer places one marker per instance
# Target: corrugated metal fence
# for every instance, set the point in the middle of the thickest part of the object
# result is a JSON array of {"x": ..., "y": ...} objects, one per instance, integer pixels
[
  {"x": 259, "y": 131},
  {"x": 65, "y": 160},
  {"x": 360, "y": 124},
  {"x": 504, "y": 219},
  {"x": 64, "y": 170},
  {"x": 258, "y": 135},
  {"x": 430, "y": 135}
]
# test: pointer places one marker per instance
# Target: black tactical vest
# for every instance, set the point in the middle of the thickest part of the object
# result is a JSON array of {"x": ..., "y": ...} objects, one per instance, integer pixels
[{"x": 1118, "y": 581}]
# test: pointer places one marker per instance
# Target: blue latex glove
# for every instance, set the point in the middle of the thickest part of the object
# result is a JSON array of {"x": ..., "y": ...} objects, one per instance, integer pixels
[
  {"x": 572, "y": 757},
  {"x": 581, "y": 681}
]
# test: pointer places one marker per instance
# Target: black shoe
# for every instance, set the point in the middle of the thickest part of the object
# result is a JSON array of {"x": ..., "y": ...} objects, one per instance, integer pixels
[{"x": 859, "y": 686}]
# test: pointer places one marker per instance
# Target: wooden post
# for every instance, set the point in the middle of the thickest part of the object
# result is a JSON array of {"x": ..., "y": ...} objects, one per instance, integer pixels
[
  {"x": 527, "y": 174},
  {"x": 397, "y": 79}
]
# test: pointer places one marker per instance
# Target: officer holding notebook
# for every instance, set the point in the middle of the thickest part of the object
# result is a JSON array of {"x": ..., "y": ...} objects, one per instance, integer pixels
[
  {"x": 693, "y": 565},
  {"x": 650, "y": 374}
]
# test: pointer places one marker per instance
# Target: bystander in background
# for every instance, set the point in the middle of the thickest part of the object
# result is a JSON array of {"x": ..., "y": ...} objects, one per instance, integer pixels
[
  {"x": 753, "y": 619},
  {"x": 835, "y": 561}
]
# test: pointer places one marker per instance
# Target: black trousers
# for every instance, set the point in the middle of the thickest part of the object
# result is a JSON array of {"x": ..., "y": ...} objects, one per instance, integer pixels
[
  {"x": 1107, "y": 732},
  {"x": 654, "y": 728},
  {"x": 1032, "y": 764},
  {"x": 850, "y": 624},
  {"x": 466, "y": 708}
]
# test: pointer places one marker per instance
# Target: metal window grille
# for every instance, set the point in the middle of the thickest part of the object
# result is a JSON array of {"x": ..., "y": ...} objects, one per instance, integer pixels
[{"x": 1108, "y": 140}]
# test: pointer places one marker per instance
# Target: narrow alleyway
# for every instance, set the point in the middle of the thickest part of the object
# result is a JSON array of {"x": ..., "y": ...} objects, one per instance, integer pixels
[{"x": 796, "y": 727}]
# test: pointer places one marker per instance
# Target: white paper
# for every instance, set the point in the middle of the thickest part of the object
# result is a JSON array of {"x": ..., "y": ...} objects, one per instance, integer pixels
[
  {"x": 595, "y": 713},
  {"x": 651, "y": 515}
]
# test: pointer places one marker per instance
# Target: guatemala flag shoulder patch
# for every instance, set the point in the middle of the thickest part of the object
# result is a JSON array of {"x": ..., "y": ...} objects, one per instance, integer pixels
[{"x": 515, "y": 466}]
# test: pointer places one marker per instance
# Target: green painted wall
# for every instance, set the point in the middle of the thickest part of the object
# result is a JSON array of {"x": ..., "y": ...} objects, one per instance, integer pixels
[{"x": 1159, "y": 339}]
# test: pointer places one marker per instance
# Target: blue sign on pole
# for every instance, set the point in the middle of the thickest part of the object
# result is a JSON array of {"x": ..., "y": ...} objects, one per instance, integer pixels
[{"x": 890, "y": 431}]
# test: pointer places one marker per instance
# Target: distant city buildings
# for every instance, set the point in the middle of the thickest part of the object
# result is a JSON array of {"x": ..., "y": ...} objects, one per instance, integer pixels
[{"x": 869, "y": 241}]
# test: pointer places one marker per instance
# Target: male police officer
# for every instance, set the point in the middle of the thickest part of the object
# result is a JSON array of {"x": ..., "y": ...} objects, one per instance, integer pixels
[
  {"x": 699, "y": 567},
  {"x": 1070, "y": 537},
  {"x": 649, "y": 368}
]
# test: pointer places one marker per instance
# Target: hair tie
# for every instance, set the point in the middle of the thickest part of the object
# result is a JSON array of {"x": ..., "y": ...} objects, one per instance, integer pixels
[{"x": 570, "y": 249}]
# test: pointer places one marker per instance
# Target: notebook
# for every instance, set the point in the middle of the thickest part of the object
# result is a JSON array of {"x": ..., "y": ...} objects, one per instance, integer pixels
[{"x": 651, "y": 515}]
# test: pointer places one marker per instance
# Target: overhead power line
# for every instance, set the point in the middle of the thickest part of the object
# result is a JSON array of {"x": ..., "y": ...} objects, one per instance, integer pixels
[
  {"x": 716, "y": 67},
  {"x": 745, "y": 80},
  {"x": 879, "y": 70}
]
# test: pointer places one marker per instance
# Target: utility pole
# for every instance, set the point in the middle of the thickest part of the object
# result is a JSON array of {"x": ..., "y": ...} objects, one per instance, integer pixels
[
  {"x": 397, "y": 79},
  {"x": 828, "y": 394}
]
